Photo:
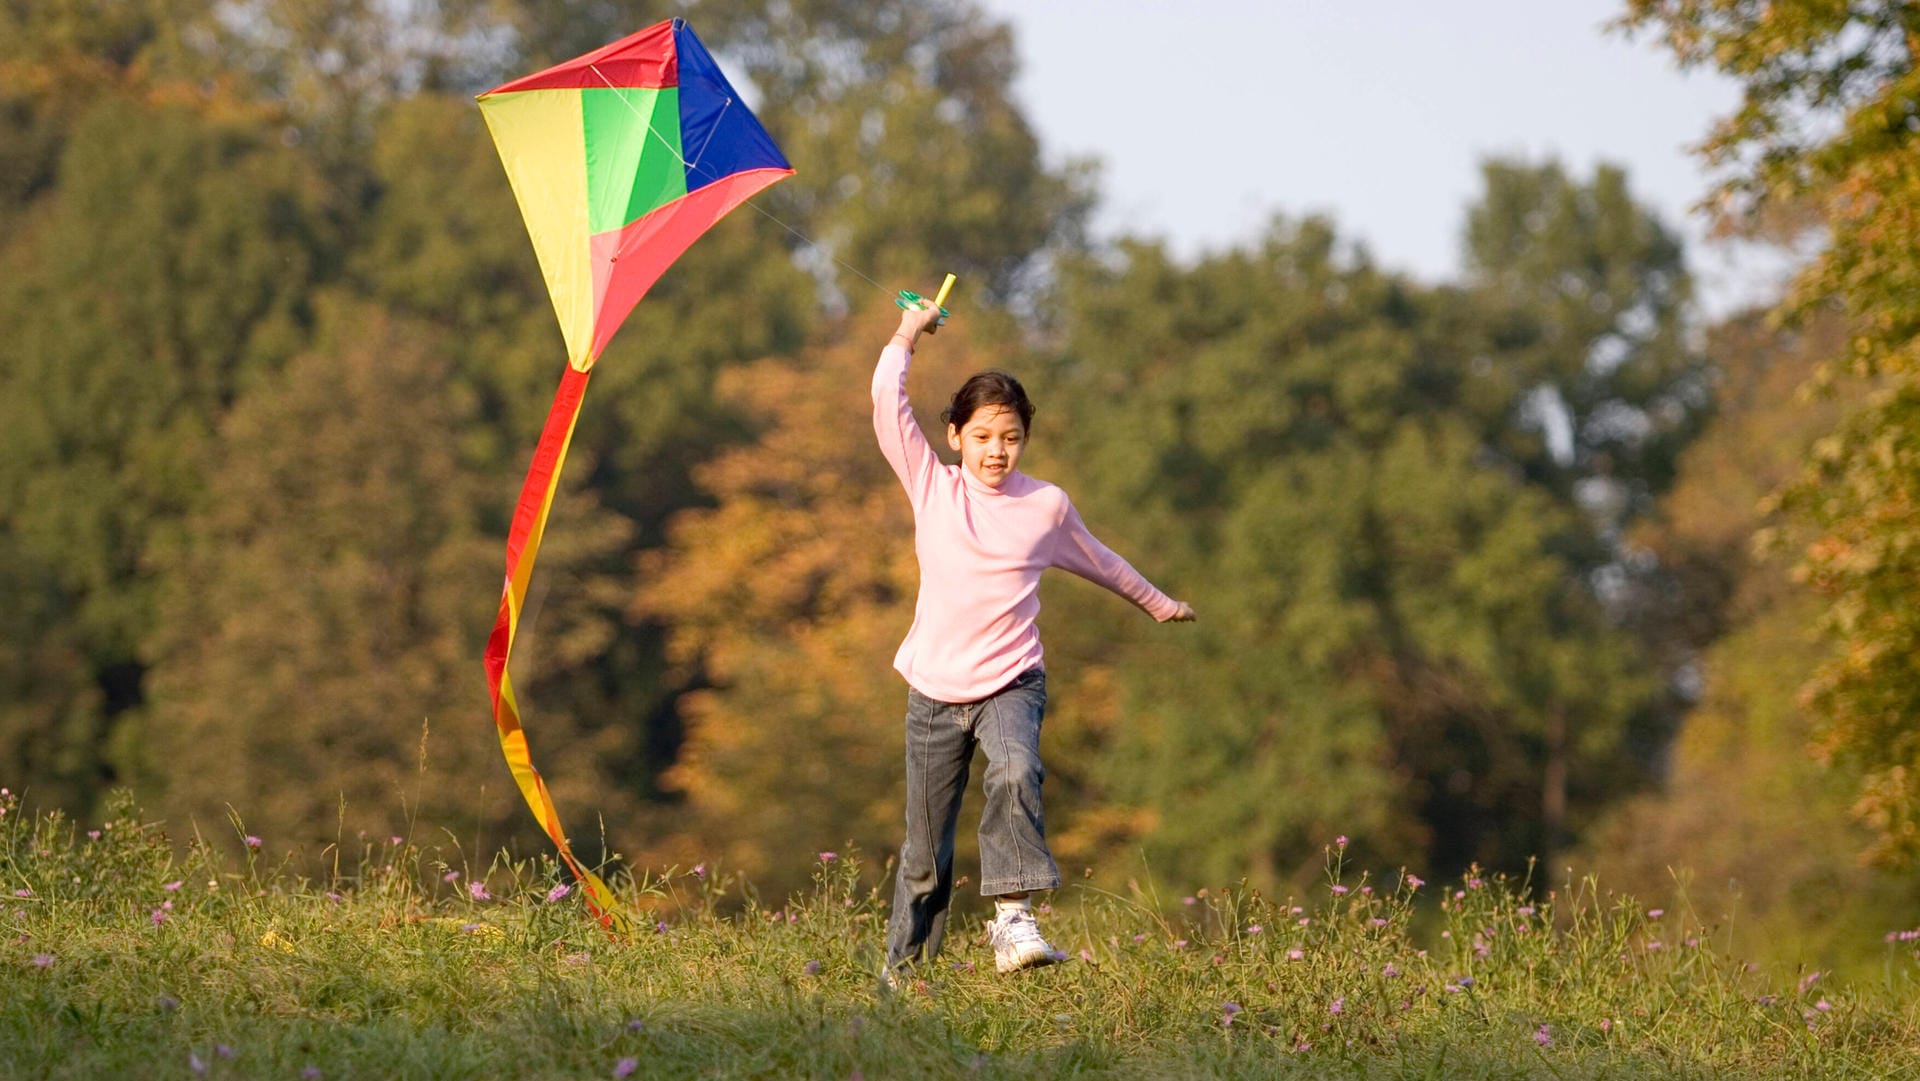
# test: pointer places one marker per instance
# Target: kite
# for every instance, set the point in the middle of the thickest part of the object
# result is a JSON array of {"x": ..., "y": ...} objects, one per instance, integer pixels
[{"x": 620, "y": 159}]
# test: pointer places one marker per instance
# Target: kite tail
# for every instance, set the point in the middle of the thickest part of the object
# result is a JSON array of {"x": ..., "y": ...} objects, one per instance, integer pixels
[{"x": 523, "y": 547}]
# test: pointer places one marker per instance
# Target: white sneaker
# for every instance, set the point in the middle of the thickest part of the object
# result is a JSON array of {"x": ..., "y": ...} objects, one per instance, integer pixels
[{"x": 1017, "y": 942}]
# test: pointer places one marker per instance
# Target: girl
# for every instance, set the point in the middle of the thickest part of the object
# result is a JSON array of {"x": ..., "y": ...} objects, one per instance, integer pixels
[{"x": 983, "y": 532}]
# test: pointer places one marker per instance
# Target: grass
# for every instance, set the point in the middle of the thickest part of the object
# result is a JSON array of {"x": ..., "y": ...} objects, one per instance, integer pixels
[{"x": 121, "y": 959}]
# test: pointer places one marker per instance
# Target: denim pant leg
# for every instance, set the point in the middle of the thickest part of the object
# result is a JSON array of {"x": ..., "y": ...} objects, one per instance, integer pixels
[
  {"x": 939, "y": 753},
  {"x": 1013, "y": 837}
]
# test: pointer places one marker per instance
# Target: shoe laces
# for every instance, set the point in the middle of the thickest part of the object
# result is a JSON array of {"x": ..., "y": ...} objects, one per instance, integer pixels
[{"x": 1019, "y": 928}]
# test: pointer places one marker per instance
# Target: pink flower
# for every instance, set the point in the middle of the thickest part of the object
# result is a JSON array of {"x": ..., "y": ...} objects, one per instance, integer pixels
[
  {"x": 1341, "y": 840},
  {"x": 1543, "y": 1037},
  {"x": 1295, "y": 955},
  {"x": 450, "y": 876},
  {"x": 558, "y": 892},
  {"x": 1337, "y": 1006},
  {"x": 23, "y": 892},
  {"x": 1414, "y": 882},
  {"x": 479, "y": 891},
  {"x": 1253, "y": 928},
  {"x": 1606, "y": 1024},
  {"x": 174, "y": 886},
  {"x": 159, "y": 916},
  {"x": 829, "y": 857},
  {"x": 811, "y": 968},
  {"x": 43, "y": 960},
  {"x": 625, "y": 1066},
  {"x": 1390, "y": 972},
  {"x": 1338, "y": 889},
  {"x": 1656, "y": 913},
  {"x": 699, "y": 870},
  {"x": 93, "y": 835},
  {"x": 310, "y": 1073},
  {"x": 252, "y": 841}
]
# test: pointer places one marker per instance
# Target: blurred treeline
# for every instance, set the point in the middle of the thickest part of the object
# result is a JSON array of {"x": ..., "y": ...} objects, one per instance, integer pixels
[{"x": 1472, "y": 558}]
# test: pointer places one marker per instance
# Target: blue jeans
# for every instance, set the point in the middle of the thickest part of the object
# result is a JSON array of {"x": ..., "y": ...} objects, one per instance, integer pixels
[{"x": 941, "y": 737}]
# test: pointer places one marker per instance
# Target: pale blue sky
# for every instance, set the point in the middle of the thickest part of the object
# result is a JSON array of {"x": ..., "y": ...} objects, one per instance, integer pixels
[{"x": 1211, "y": 115}]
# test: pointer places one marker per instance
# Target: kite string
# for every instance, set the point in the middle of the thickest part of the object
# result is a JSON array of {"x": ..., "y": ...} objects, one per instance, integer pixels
[{"x": 758, "y": 209}]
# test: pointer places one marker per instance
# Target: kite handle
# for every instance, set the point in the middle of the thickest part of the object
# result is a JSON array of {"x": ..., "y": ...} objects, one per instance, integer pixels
[{"x": 909, "y": 300}]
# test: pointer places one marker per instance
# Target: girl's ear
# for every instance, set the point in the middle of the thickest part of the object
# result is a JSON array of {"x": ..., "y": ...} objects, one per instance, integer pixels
[{"x": 953, "y": 437}]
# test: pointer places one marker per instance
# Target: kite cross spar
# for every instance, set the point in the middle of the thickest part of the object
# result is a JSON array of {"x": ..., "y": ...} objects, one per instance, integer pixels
[{"x": 596, "y": 150}]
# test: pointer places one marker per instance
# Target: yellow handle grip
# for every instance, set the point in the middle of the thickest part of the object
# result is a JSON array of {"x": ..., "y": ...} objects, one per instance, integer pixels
[{"x": 945, "y": 288}]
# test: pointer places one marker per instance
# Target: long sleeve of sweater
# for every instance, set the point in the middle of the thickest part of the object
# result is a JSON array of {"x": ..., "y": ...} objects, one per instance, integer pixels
[
  {"x": 901, "y": 441},
  {"x": 1076, "y": 549}
]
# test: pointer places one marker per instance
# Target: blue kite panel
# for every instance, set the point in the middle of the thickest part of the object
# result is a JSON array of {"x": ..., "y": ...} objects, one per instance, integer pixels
[{"x": 719, "y": 135}]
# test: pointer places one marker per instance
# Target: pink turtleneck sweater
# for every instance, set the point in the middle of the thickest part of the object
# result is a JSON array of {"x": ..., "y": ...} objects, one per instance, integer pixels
[{"x": 981, "y": 551}]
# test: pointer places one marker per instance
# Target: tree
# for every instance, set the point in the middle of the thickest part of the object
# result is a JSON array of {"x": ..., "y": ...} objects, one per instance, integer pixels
[
  {"x": 1831, "y": 114},
  {"x": 1752, "y": 827},
  {"x": 1389, "y": 628},
  {"x": 320, "y": 611},
  {"x": 168, "y": 270}
]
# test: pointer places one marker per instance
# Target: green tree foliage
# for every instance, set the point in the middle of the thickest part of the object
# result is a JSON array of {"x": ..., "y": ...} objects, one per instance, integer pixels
[
  {"x": 1748, "y": 824},
  {"x": 1389, "y": 633},
  {"x": 323, "y": 607},
  {"x": 1831, "y": 115},
  {"x": 170, "y": 269}
]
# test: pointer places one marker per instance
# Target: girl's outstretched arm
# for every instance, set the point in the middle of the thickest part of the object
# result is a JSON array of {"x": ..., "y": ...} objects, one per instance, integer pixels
[
  {"x": 901, "y": 440},
  {"x": 1076, "y": 549}
]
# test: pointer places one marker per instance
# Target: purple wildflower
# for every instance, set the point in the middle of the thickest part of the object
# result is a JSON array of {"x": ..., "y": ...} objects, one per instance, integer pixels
[
  {"x": 1338, "y": 889},
  {"x": 1341, "y": 840},
  {"x": 558, "y": 892},
  {"x": 1295, "y": 955},
  {"x": 159, "y": 916},
  {"x": 310, "y": 1073},
  {"x": 252, "y": 841},
  {"x": 811, "y": 968},
  {"x": 93, "y": 835},
  {"x": 23, "y": 892},
  {"x": 1656, "y": 913},
  {"x": 1254, "y": 928},
  {"x": 636, "y": 1025},
  {"x": 479, "y": 891},
  {"x": 1337, "y": 1006},
  {"x": 1543, "y": 1036},
  {"x": 625, "y": 1066},
  {"x": 450, "y": 876},
  {"x": 1390, "y": 972},
  {"x": 1525, "y": 910},
  {"x": 43, "y": 960},
  {"x": 1414, "y": 882},
  {"x": 195, "y": 1063},
  {"x": 223, "y": 1050},
  {"x": 699, "y": 870},
  {"x": 829, "y": 857},
  {"x": 174, "y": 886}
]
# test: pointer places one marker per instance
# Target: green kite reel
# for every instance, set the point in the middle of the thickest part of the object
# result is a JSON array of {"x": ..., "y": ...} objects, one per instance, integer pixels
[{"x": 908, "y": 300}]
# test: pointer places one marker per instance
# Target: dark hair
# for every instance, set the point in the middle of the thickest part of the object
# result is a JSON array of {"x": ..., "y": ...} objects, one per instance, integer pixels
[{"x": 984, "y": 389}]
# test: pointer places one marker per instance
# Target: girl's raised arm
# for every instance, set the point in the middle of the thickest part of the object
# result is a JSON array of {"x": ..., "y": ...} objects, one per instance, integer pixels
[{"x": 901, "y": 440}]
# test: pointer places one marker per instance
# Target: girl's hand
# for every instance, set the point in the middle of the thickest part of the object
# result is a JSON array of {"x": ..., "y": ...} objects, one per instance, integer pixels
[
  {"x": 1184, "y": 615},
  {"x": 916, "y": 321}
]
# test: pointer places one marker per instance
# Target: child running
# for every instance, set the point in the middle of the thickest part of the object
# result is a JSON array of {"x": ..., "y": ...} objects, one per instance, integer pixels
[{"x": 983, "y": 532}]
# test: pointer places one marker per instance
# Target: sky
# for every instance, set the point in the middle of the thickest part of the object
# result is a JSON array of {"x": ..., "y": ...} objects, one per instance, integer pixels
[{"x": 1210, "y": 116}]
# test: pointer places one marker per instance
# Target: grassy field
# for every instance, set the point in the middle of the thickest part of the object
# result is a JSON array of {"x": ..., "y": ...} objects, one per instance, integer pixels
[{"x": 122, "y": 959}]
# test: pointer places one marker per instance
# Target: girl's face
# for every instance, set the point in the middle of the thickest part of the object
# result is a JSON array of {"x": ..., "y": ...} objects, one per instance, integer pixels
[{"x": 989, "y": 443}]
